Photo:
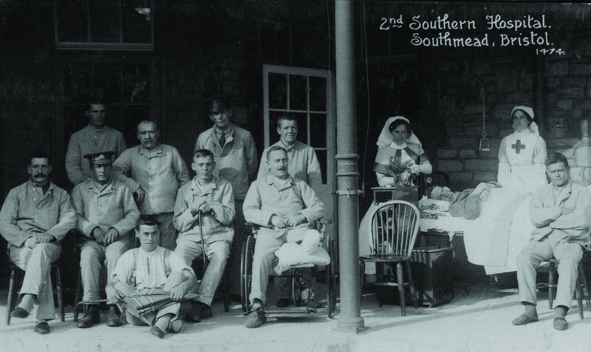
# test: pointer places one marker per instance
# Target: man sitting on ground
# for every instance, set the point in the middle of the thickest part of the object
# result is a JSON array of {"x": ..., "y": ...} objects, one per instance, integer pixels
[
  {"x": 464, "y": 204},
  {"x": 282, "y": 206},
  {"x": 152, "y": 267}
]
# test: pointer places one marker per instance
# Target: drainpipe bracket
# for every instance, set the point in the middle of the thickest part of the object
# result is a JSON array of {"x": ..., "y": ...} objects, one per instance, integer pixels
[{"x": 349, "y": 192}]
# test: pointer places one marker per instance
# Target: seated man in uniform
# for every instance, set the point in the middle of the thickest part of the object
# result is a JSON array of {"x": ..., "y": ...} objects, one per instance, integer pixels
[
  {"x": 282, "y": 206},
  {"x": 35, "y": 216},
  {"x": 464, "y": 204},
  {"x": 105, "y": 214},
  {"x": 210, "y": 199},
  {"x": 561, "y": 213},
  {"x": 152, "y": 267}
]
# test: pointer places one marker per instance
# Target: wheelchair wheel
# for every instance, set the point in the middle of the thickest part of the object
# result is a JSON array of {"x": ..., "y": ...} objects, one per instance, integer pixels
[
  {"x": 331, "y": 278},
  {"x": 246, "y": 257}
]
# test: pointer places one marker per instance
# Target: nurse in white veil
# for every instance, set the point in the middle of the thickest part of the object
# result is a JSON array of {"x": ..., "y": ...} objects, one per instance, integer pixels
[{"x": 522, "y": 154}]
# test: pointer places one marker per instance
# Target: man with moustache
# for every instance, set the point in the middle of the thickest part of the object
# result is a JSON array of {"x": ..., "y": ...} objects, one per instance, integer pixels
[
  {"x": 150, "y": 268},
  {"x": 154, "y": 172},
  {"x": 236, "y": 161},
  {"x": 208, "y": 199},
  {"x": 105, "y": 213},
  {"x": 302, "y": 164},
  {"x": 96, "y": 136},
  {"x": 283, "y": 207},
  {"x": 561, "y": 213},
  {"x": 34, "y": 218}
]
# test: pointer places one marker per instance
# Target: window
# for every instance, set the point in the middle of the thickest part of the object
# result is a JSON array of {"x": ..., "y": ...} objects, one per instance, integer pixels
[{"x": 104, "y": 24}]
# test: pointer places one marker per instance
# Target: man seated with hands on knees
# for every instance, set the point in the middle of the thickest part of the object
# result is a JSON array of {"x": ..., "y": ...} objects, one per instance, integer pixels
[
  {"x": 464, "y": 204},
  {"x": 282, "y": 206},
  {"x": 561, "y": 213},
  {"x": 152, "y": 267}
]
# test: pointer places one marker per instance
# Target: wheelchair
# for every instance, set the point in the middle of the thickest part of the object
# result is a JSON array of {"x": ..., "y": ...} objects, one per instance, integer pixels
[{"x": 294, "y": 273}]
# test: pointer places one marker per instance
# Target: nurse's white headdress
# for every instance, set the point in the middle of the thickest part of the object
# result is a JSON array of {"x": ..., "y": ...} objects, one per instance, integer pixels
[
  {"x": 530, "y": 112},
  {"x": 385, "y": 137}
]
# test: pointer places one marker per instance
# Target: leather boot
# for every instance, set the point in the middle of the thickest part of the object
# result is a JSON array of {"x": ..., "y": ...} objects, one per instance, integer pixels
[
  {"x": 91, "y": 316},
  {"x": 114, "y": 319}
]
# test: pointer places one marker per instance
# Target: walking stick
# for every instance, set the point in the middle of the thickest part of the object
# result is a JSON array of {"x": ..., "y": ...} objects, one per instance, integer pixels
[{"x": 203, "y": 254}]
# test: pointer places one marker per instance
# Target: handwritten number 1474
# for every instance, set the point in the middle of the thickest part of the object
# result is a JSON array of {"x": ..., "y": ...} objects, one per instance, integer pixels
[{"x": 550, "y": 51}]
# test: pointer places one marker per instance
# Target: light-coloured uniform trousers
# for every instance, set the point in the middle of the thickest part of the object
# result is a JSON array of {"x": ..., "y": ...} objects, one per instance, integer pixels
[
  {"x": 168, "y": 233},
  {"x": 264, "y": 258},
  {"x": 92, "y": 255},
  {"x": 36, "y": 263},
  {"x": 217, "y": 252},
  {"x": 568, "y": 255}
]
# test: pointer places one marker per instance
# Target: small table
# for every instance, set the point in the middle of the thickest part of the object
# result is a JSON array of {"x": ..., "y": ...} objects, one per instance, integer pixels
[{"x": 407, "y": 193}]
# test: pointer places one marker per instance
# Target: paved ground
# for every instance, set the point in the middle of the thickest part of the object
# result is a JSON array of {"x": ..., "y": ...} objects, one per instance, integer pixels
[{"x": 479, "y": 321}]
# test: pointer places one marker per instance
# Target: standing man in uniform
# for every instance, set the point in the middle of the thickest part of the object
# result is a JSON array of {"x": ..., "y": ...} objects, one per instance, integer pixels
[
  {"x": 303, "y": 163},
  {"x": 105, "y": 213},
  {"x": 35, "y": 216},
  {"x": 96, "y": 136},
  {"x": 154, "y": 172},
  {"x": 236, "y": 161}
]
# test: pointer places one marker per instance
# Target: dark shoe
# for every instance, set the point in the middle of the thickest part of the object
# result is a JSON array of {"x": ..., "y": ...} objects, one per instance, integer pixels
[
  {"x": 560, "y": 324},
  {"x": 114, "y": 319},
  {"x": 91, "y": 317},
  {"x": 175, "y": 326},
  {"x": 282, "y": 302},
  {"x": 157, "y": 332},
  {"x": 206, "y": 312},
  {"x": 194, "y": 315},
  {"x": 42, "y": 328},
  {"x": 18, "y": 312},
  {"x": 255, "y": 318},
  {"x": 524, "y": 319}
]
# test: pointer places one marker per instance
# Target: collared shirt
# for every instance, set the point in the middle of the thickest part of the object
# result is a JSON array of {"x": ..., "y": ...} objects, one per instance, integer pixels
[
  {"x": 27, "y": 210},
  {"x": 113, "y": 207},
  {"x": 149, "y": 268},
  {"x": 217, "y": 226},
  {"x": 545, "y": 212},
  {"x": 236, "y": 161},
  {"x": 302, "y": 163},
  {"x": 266, "y": 198},
  {"x": 159, "y": 172},
  {"x": 90, "y": 140}
]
